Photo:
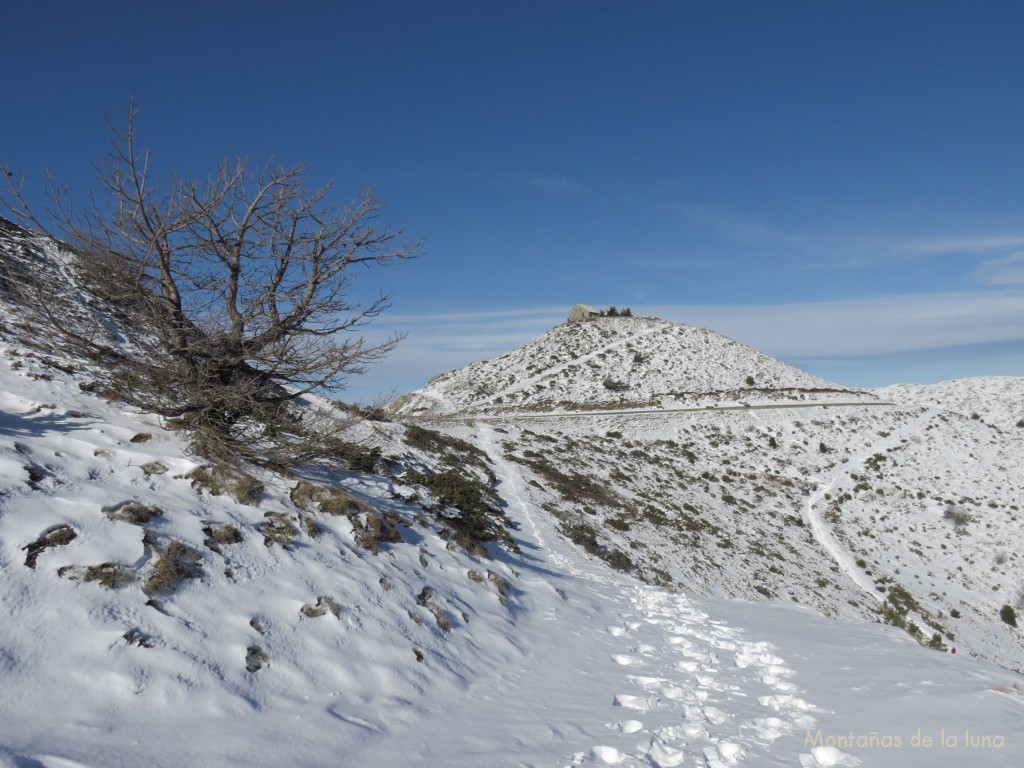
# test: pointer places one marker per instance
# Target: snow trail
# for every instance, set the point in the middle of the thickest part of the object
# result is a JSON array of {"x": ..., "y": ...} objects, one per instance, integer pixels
[
  {"x": 822, "y": 535},
  {"x": 686, "y": 689}
]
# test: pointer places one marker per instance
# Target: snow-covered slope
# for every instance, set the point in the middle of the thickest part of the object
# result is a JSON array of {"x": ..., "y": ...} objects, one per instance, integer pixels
[
  {"x": 733, "y": 475},
  {"x": 132, "y": 594},
  {"x": 998, "y": 400},
  {"x": 560, "y": 662},
  {"x": 551, "y": 659},
  {"x": 160, "y": 611},
  {"x": 630, "y": 362}
]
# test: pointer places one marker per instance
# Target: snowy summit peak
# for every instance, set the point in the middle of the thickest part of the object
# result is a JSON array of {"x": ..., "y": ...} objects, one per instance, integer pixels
[{"x": 610, "y": 360}]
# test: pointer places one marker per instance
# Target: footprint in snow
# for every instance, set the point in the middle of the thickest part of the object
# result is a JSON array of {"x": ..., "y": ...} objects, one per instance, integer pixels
[
  {"x": 769, "y": 728},
  {"x": 607, "y": 755},
  {"x": 665, "y": 756},
  {"x": 626, "y": 701},
  {"x": 626, "y": 660},
  {"x": 647, "y": 683},
  {"x": 724, "y": 753},
  {"x": 627, "y": 726},
  {"x": 826, "y": 757},
  {"x": 715, "y": 716}
]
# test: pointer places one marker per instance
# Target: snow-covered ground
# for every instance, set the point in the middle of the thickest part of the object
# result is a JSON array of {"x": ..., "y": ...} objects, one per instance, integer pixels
[
  {"x": 582, "y": 665},
  {"x": 158, "y": 614}
]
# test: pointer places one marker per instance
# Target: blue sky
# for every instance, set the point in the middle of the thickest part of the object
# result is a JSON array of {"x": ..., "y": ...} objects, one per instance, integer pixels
[{"x": 835, "y": 183}]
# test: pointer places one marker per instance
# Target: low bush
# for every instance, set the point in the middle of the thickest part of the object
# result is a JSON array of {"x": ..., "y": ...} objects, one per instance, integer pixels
[{"x": 479, "y": 517}]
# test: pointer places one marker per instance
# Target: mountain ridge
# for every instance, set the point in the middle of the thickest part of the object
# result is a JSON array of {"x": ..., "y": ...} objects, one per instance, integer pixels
[{"x": 634, "y": 362}]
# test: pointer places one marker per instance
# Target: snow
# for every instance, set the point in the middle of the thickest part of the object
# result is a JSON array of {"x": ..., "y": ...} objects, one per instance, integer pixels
[
  {"x": 615, "y": 673},
  {"x": 567, "y": 663},
  {"x": 995, "y": 399}
]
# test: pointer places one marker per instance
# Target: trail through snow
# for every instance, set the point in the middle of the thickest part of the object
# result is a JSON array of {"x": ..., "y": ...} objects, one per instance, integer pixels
[
  {"x": 662, "y": 684},
  {"x": 826, "y": 485}
]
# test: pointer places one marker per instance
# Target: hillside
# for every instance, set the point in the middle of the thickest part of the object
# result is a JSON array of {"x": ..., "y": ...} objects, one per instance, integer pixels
[
  {"x": 529, "y": 590},
  {"x": 994, "y": 399},
  {"x": 900, "y": 505},
  {"x": 619, "y": 362}
]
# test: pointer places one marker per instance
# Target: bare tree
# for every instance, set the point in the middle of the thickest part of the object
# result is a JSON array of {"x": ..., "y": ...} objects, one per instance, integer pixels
[{"x": 238, "y": 285}]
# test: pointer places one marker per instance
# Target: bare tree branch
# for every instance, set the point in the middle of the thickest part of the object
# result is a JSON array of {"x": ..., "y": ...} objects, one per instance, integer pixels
[{"x": 240, "y": 283}]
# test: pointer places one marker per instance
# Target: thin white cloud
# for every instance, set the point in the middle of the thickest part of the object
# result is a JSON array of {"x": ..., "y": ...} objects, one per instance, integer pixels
[
  {"x": 984, "y": 244},
  {"x": 863, "y": 327},
  {"x": 553, "y": 185},
  {"x": 484, "y": 315},
  {"x": 745, "y": 229},
  {"x": 1005, "y": 270},
  {"x": 815, "y": 248}
]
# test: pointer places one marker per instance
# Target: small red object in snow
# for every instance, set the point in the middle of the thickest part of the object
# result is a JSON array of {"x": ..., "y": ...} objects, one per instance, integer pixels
[{"x": 952, "y": 650}]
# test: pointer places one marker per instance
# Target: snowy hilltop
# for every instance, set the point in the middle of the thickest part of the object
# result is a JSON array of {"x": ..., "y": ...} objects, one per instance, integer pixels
[
  {"x": 620, "y": 362},
  {"x": 688, "y": 570}
]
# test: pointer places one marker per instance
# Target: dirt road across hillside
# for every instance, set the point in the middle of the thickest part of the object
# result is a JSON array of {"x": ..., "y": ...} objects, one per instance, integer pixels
[{"x": 660, "y": 412}]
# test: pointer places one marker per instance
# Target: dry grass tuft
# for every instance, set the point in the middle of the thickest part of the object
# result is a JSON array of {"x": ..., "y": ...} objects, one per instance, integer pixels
[
  {"x": 177, "y": 562},
  {"x": 323, "y": 606},
  {"x": 278, "y": 529},
  {"x": 134, "y": 512}
]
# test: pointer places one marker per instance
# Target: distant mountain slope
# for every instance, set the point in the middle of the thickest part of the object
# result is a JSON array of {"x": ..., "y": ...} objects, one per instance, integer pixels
[
  {"x": 910, "y": 515},
  {"x": 902, "y": 504},
  {"x": 635, "y": 362},
  {"x": 999, "y": 400}
]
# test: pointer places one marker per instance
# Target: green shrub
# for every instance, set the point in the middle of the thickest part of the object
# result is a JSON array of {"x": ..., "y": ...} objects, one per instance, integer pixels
[
  {"x": 618, "y": 523},
  {"x": 584, "y": 535},
  {"x": 479, "y": 517},
  {"x": 575, "y": 487},
  {"x": 452, "y": 449},
  {"x": 958, "y": 517},
  {"x": 1008, "y": 615},
  {"x": 619, "y": 560},
  {"x": 356, "y": 457}
]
